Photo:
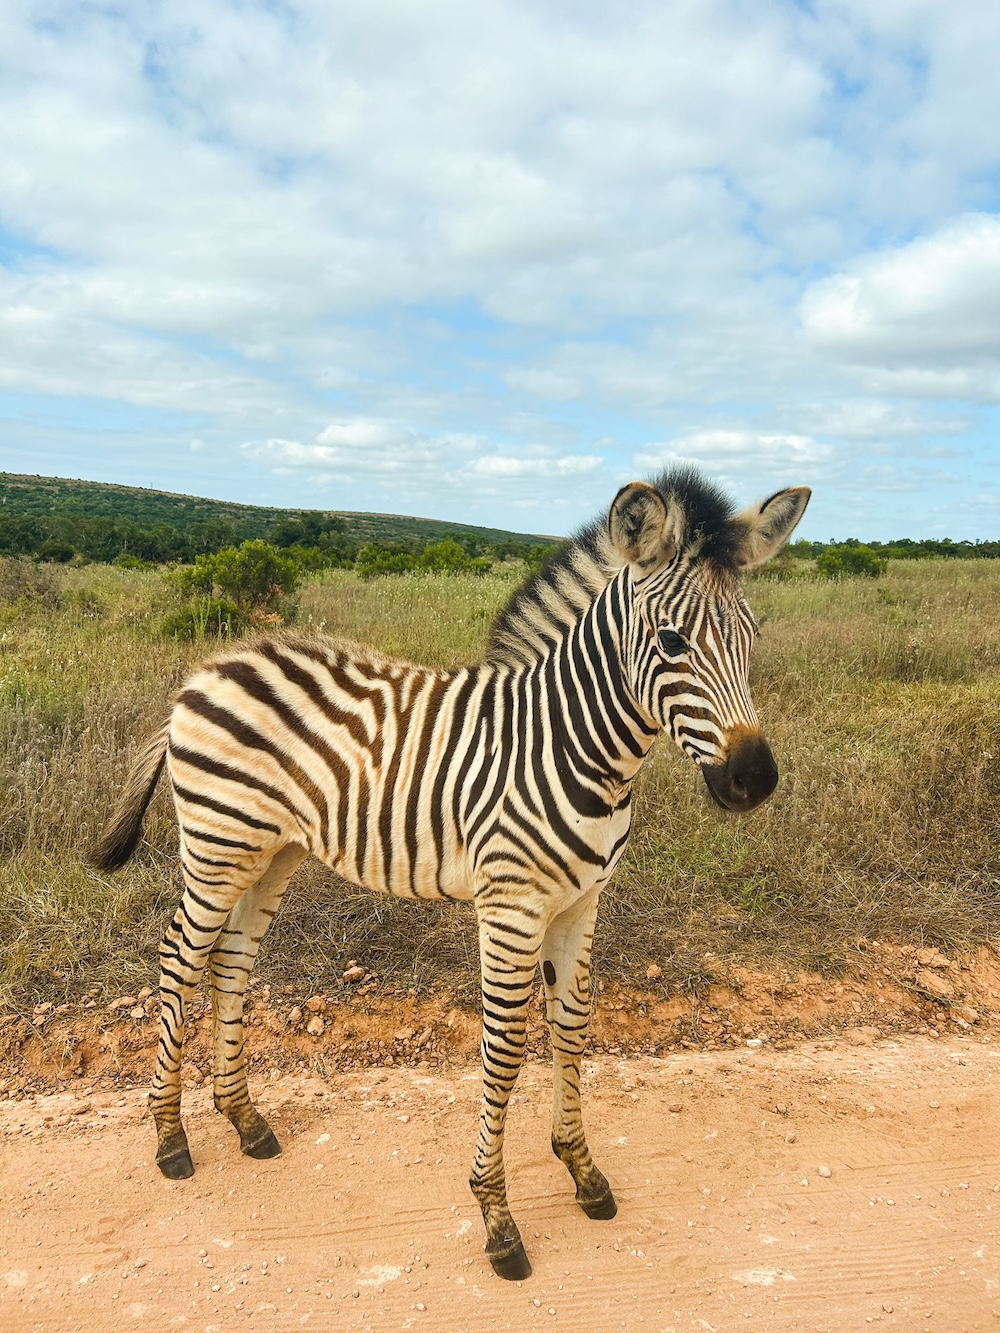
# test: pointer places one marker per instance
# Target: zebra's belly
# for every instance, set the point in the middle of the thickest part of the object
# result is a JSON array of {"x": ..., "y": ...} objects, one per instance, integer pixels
[{"x": 422, "y": 878}]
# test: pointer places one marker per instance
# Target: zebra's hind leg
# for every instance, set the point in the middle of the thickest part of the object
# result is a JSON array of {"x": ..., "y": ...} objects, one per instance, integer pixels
[
  {"x": 566, "y": 974},
  {"x": 212, "y": 888},
  {"x": 230, "y": 964},
  {"x": 509, "y": 941}
]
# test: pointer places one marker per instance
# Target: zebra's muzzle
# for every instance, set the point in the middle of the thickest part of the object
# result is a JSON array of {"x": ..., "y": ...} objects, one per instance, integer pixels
[{"x": 748, "y": 776}]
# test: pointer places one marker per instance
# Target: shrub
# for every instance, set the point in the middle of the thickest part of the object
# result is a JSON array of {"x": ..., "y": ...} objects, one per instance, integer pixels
[
  {"x": 374, "y": 560},
  {"x": 25, "y": 583},
  {"x": 206, "y": 617},
  {"x": 59, "y": 553},
  {"x": 447, "y": 557},
  {"x": 255, "y": 577},
  {"x": 850, "y": 560}
]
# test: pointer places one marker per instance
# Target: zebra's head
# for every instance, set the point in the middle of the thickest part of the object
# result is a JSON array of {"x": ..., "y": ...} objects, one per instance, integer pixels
[{"x": 688, "y": 655}]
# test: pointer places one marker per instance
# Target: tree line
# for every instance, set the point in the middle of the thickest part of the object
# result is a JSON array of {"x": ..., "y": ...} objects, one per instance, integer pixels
[{"x": 314, "y": 540}]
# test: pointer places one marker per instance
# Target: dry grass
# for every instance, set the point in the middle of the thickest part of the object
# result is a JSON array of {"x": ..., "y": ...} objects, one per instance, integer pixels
[{"x": 882, "y": 701}]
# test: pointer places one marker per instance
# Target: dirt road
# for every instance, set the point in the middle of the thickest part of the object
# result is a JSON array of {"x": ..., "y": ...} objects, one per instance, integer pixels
[{"x": 828, "y": 1187}]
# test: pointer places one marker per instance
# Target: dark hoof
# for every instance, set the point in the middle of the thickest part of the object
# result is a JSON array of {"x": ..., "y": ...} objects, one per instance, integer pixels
[
  {"x": 266, "y": 1147},
  {"x": 602, "y": 1209},
  {"x": 513, "y": 1266},
  {"x": 178, "y": 1166}
]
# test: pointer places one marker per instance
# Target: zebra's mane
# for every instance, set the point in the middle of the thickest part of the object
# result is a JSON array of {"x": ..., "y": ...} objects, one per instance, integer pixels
[{"x": 554, "y": 598}]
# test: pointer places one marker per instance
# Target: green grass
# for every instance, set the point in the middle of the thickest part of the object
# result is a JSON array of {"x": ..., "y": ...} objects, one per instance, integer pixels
[{"x": 881, "y": 699}]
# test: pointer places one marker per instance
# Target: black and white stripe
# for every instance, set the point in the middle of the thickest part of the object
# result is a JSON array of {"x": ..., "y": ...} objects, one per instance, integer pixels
[{"x": 507, "y": 783}]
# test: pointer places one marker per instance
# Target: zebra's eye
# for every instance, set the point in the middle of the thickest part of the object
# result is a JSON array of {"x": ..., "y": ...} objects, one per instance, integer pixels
[{"x": 672, "y": 643}]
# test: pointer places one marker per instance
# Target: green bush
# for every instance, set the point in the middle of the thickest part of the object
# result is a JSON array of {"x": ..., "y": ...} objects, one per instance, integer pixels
[
  {"x": 374, "y": 560},
  {"x": 206, "y": 618},
  {"x": 256, "y": 577},
  {"x": 444, "y": 557},
  {"x": 850, "y": 560}
]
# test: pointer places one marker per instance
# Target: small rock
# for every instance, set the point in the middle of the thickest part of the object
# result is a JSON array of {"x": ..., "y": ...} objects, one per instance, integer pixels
[
  {"x": 315, "y": 1026},
  {"x": 295, "y": 1015},
  {"x": 967, "y": 1012},
  {"x": 932, "y": 984},
  {"x": 825, "y": 1172},
  {"x": 354, "y": 974},
  {"x": 791, "y": 1136},
  {"x": 675, "y": 1108},
  {"x": 145, "y": 993},
  {"x": 316, "y": 1004},
  {"x": 137, "y": 1012},
  {"x": 653, "y": 972}
]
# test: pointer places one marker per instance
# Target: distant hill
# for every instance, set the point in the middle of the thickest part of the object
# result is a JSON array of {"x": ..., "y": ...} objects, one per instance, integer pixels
[{"x": 47, "y": 498}]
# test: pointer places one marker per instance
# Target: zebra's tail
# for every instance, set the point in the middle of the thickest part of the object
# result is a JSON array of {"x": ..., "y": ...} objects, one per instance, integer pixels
[{"x": 121, "y": 833}]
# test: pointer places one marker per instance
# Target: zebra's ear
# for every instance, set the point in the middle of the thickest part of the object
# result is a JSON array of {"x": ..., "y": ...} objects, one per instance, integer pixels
[
  {"x": 766, "y": 527},
  {"x": 643, "y": 530}
]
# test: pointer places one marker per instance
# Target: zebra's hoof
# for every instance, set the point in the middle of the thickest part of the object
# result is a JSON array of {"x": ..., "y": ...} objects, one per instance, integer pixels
[
  {"x": 266, "y": 1147},
  {"x": 512, "y": 1266},
  {"x": 178, "y": 1166},
  {"x": 602, "y": 1209}
]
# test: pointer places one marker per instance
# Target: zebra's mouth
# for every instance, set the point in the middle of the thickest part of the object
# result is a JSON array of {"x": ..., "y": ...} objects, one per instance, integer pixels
[{"x": 747, "y": 777}]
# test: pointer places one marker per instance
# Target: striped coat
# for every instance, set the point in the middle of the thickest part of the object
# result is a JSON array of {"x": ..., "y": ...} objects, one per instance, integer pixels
[{"x": 507, "y": 783}]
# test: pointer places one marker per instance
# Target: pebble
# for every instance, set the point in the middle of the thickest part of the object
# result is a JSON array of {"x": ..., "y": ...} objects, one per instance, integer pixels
[
  {"x": 825, "y": 1172},
  {"x": 791, "y": 1136},
  {"x": 295, "y": 1015},
  {"x": 675, "y": 1108},
  {"x": 315, "y": 1027},
  {"x": 316, "y": 1004},
  {"x": 653, "y": 972},
  {"x": 354, "y": 974},
  {"x": 137, "y": 1012}
]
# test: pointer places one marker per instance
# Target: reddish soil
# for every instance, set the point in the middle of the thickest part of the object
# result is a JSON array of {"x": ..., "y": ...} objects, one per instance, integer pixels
[{"x": 765, "y": 1179}]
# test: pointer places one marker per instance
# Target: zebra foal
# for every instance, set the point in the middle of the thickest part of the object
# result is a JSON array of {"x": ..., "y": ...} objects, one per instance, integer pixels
[{"x": 508, "y": 783}]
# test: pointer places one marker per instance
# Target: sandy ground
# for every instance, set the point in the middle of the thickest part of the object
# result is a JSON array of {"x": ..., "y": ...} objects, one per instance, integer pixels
[{"x": 828, "y": 1186}]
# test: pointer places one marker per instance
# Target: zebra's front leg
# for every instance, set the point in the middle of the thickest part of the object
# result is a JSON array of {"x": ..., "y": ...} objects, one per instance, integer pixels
[
  {"x": 566, "y": 974},
  {"x": 508, "y": 949},
  {"x": 230, "y": 964}
]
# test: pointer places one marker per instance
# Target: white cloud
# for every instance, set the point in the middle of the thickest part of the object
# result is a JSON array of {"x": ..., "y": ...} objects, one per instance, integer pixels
[
  {"x": 455, "y": 466},
  {"x": 925, "y": 317},
  {"x": 741, "y": 449},
  {"x": 501, "y": 465}
]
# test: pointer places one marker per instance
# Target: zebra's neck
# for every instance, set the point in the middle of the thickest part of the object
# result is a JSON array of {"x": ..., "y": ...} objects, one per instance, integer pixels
[{"x": 579, "y": 694}]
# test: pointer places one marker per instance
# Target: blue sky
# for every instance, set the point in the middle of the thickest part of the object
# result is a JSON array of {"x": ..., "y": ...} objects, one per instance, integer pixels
[{"x": 488, "y": 261}]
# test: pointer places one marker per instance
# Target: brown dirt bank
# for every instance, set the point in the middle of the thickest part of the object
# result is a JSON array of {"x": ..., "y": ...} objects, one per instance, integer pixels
[{"x": 888, "y": 989}]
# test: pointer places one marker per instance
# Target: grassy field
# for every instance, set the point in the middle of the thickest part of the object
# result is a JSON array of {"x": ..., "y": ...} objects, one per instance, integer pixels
[{"x": 881, "y": 699}]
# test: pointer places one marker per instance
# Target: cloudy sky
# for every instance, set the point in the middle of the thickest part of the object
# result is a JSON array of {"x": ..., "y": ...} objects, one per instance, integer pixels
[{"x": 490, "y": 259}]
